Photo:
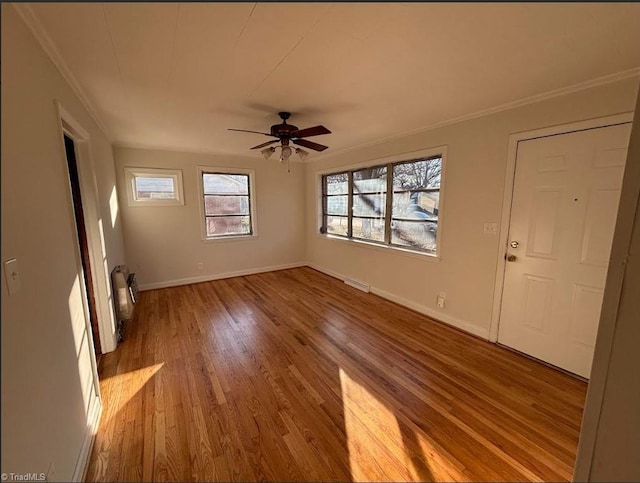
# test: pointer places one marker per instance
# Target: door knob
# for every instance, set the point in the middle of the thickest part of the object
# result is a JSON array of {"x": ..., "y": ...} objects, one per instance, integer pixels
[
  {"x": 511, "y": 258},
  {"x": 514, "y": 244}
]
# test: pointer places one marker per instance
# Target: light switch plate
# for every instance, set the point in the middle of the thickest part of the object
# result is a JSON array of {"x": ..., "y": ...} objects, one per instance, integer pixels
[
  {"x": 12, "y": 275},
  {"x": 490, "y": 228}
]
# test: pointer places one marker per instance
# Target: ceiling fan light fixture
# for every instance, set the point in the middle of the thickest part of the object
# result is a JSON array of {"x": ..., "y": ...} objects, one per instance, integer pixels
[
  {"x": 267, "y": 152},
  {"x": 302, "y": 153},
  {"x": 285, "y": 154}
]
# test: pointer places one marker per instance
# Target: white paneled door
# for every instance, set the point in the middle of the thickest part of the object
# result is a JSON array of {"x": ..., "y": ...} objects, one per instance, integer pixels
[{"x": 563, "y": 215}]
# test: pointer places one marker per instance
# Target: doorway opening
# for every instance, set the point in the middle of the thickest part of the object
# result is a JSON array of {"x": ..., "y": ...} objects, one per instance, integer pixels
[{"x": 83, "y": 242}]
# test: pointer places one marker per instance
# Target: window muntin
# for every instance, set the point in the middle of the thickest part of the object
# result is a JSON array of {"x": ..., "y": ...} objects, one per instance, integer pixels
[
  {"x": 151, "y": 186},
  {"x": 227, "y": 204},
  {"x": 407, "y": 217}
]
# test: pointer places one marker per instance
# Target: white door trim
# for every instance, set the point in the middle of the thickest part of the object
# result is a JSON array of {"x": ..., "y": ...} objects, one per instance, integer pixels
[
  {"x": 97, "y": 254},
  {"x": 89, "y": 192},
  {"x": 512, "y": 153}
]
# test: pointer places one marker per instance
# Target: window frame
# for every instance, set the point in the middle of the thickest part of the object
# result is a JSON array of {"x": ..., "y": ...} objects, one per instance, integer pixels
[
  {"x": 250, "y": 173},
  {"x": 131, "y": 173},
  {"x": 389, "y": 162},
  {"x": 418, "y": 190},
  {"x": 325, "y": 204}
]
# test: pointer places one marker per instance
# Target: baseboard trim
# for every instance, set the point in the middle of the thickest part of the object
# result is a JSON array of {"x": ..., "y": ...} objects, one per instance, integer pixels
[
  {"x": 326, "y": 271},
  {"x": 93, "y": 419},
  {"x": 218, "y": 276},
  {"x": 433, "y": 314}
]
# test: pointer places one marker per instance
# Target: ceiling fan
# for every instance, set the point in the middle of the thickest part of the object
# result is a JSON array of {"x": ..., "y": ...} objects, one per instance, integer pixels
[{"x": 289, "y": 133}]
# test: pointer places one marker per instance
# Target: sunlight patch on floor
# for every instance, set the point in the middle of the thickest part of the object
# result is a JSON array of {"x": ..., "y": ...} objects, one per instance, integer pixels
[
  {"x": 122, "y": 387},
  {"x": 376, "y": 445}
]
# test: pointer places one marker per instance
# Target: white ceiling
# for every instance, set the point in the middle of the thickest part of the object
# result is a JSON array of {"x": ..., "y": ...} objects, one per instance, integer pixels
[{"x": 176, "y": 76}]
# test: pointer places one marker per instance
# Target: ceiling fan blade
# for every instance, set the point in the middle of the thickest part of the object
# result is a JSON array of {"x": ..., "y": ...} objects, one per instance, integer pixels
[
  {"x": 310, "y": 131},
  {"x": 255, "y": 132},
  {"x": 265, "y": 144},
  {"x": 309, "y": 144}
]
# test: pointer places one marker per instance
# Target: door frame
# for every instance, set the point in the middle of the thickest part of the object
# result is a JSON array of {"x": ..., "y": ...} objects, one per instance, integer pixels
[
  {"x": 98, "y": 263},
  {"x": 83, "y": 238},
  {"x": 512, "y": 154},
  {"x": 93, "y": 222},
  {"x": 74, "y": 130}
]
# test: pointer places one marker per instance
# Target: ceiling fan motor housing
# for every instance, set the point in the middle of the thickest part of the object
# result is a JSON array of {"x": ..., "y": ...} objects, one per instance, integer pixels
[{"x": 283, "y": 130}]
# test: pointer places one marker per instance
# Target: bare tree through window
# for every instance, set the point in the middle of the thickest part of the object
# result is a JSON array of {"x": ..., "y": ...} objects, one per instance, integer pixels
[{"x": 417, "y": 174}]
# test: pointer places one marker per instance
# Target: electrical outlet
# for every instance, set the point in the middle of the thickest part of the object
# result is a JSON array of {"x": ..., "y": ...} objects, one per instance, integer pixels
[
  {"x": 200, "y": 266},
  {"x": 12, "y": 274},
  {"x": 440, "y": 301}
]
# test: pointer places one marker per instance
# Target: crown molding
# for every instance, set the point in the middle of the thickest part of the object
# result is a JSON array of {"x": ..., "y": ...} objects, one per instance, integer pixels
[
  {"x": 37, "y": 29},
  {"x": 607, "y": 79}
]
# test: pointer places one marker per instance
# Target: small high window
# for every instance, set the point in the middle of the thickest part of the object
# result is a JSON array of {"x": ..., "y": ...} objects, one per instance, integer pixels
[{"x": 154, "y": 187}]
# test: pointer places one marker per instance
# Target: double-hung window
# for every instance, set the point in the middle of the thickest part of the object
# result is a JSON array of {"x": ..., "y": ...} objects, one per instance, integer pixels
[
  {"x": 227, "y": 202},
  {"x": 416, "y": 204},
  {"x": 369, "y": 194},
  {"x": 395, "y": 204},
  {"x": 336, "y": 203}
]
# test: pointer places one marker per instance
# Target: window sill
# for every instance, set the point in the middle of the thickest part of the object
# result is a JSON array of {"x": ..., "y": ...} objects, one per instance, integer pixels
[
  {"x": 157, "y": 202},
  {"x": 230, "y": 238},
  {"x": 383, "y": 248}
]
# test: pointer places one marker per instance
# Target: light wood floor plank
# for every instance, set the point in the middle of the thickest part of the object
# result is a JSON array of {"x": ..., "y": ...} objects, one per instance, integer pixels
[{"x": 295, "y": 376}]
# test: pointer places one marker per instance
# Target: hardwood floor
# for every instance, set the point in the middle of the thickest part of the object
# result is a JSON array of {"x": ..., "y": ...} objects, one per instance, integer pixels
[{"x": 295, "y": 376}]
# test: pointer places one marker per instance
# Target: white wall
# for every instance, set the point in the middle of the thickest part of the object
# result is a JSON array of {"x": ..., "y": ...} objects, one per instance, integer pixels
[
  {"x": 474, "y": 184},
  {"x": 164, "y": 244},
  {"x": 44, "y": 358},
  {"x": 609, "y": 448},
  {"x": 46, "y": 365}
]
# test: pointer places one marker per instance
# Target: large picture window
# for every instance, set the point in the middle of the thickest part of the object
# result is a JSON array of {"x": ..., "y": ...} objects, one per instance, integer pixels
[
  {"x": 227, "y": 204},
  {"x": 395, "y": 204}
]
